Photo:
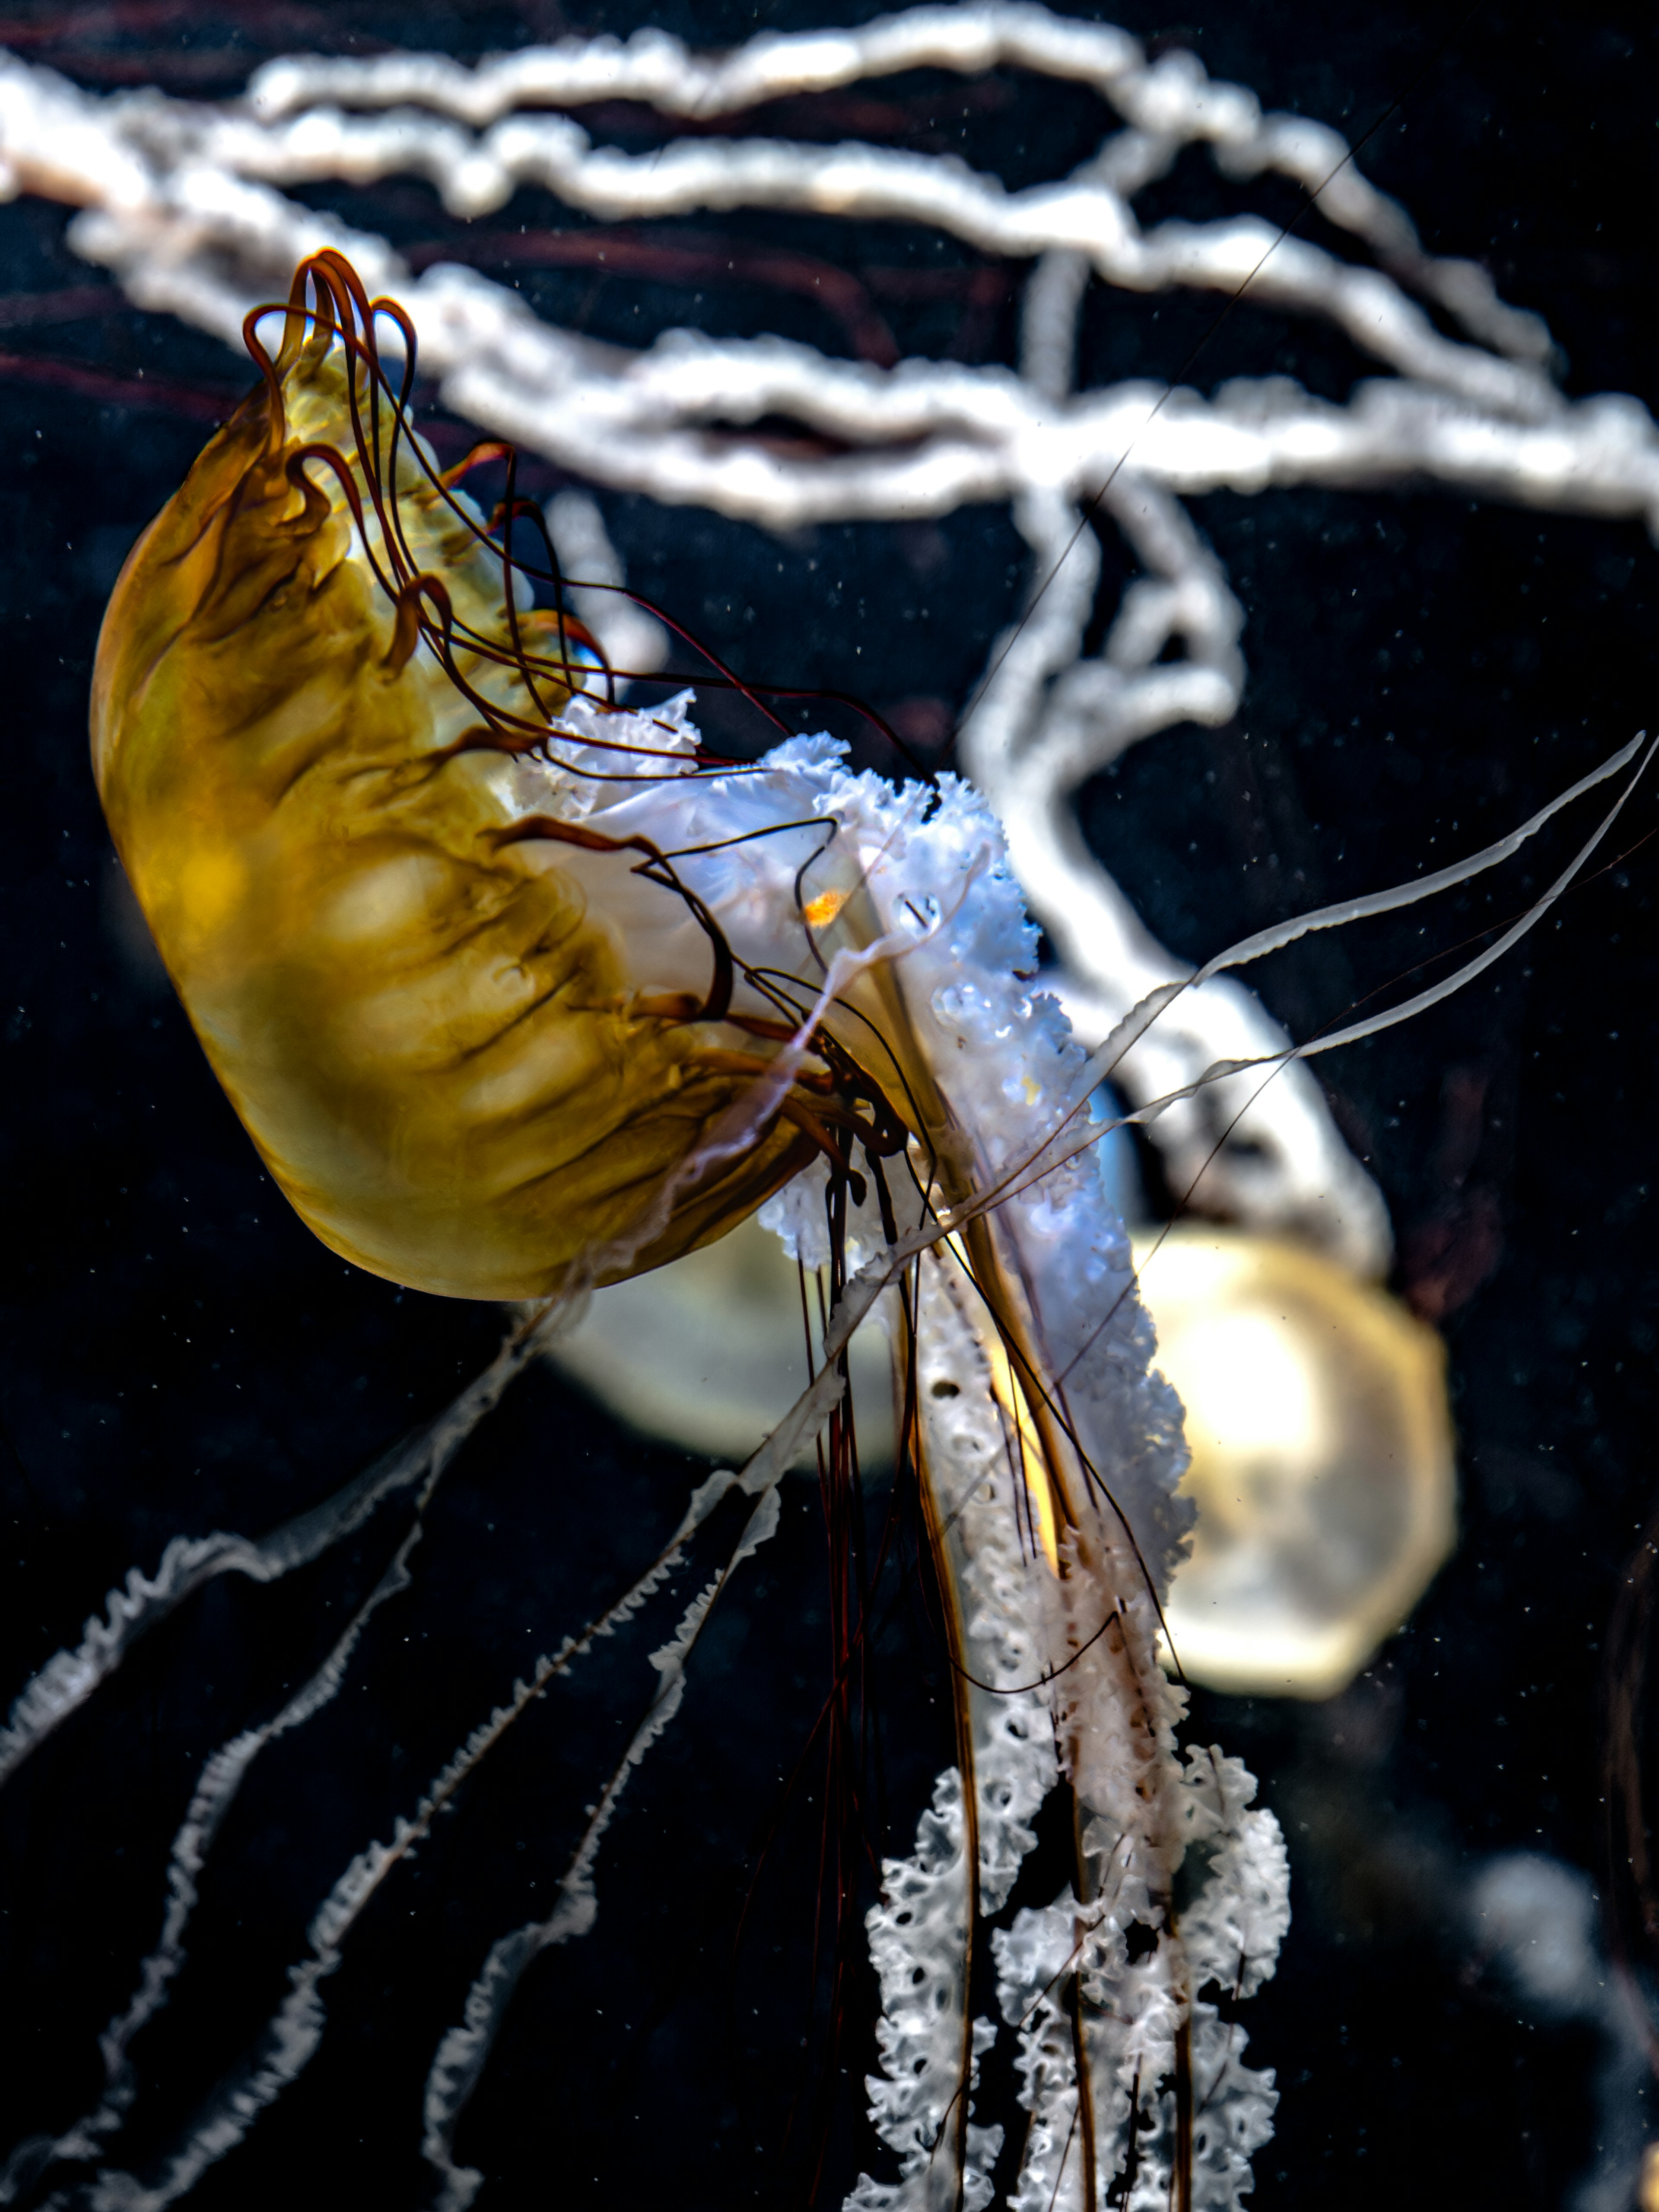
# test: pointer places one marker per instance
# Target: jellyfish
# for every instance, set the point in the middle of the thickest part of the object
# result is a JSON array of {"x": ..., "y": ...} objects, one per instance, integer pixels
[
  {"x": 759, "y": 1047},
  {"x": 516, "y": 993},
  {"x": 401, "y": 978}
]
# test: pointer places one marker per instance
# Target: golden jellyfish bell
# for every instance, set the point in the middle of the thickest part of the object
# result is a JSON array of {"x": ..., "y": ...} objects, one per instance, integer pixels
[
  {"x": 1322, "y": 1459},
  {"x": 314, "y": 683}
]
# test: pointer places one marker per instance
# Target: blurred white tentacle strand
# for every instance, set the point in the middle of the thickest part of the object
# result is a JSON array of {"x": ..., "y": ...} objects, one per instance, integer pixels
[
  {"x": 632, "y": 642},
  {"x": 1046, "y": 720}
]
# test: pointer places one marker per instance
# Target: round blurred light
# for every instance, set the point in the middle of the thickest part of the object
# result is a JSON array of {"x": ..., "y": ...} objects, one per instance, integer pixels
[
  {"x": 1316, "y": 1416},
  {"x": 1323, "y": 1460},
  {"x": 710, "y": 1352}
]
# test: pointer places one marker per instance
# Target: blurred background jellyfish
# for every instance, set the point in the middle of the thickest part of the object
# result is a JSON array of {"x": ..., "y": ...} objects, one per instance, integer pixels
[
  {"x": 1363, "y": 585},
  {"x": 1321, "y": 1453}
]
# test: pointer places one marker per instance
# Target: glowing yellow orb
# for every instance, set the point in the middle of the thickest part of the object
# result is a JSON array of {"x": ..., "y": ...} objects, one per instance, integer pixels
[{"x": 1323, "y": 1460}]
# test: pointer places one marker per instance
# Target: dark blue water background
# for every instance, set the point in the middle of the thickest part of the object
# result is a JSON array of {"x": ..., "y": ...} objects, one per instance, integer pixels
[{"x": 179, "y": 1355}]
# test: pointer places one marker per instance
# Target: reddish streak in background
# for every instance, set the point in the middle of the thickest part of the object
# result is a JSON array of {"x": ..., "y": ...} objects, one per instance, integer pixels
[
  {"x": 78, "y": 304},
  {"x": 84, "y": 38},
  {"x": 76, "y": 38},
  {"x": 1446, "y": 1257},
  {"x": 197, "y": 403},
  {"x": 699, "y": 258},
  {"x": 689, "y": 259}
]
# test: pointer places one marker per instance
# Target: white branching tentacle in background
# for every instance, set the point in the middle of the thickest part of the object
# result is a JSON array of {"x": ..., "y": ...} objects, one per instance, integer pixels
[
  {"x": 1048, "y": 720},
  {"x": 1050, "y": 1490},
  {"x": 629, "y": 637}
]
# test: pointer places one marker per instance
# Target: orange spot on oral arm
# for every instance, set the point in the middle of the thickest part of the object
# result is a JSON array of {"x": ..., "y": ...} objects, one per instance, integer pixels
[{"x": 818, "y": 912}]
